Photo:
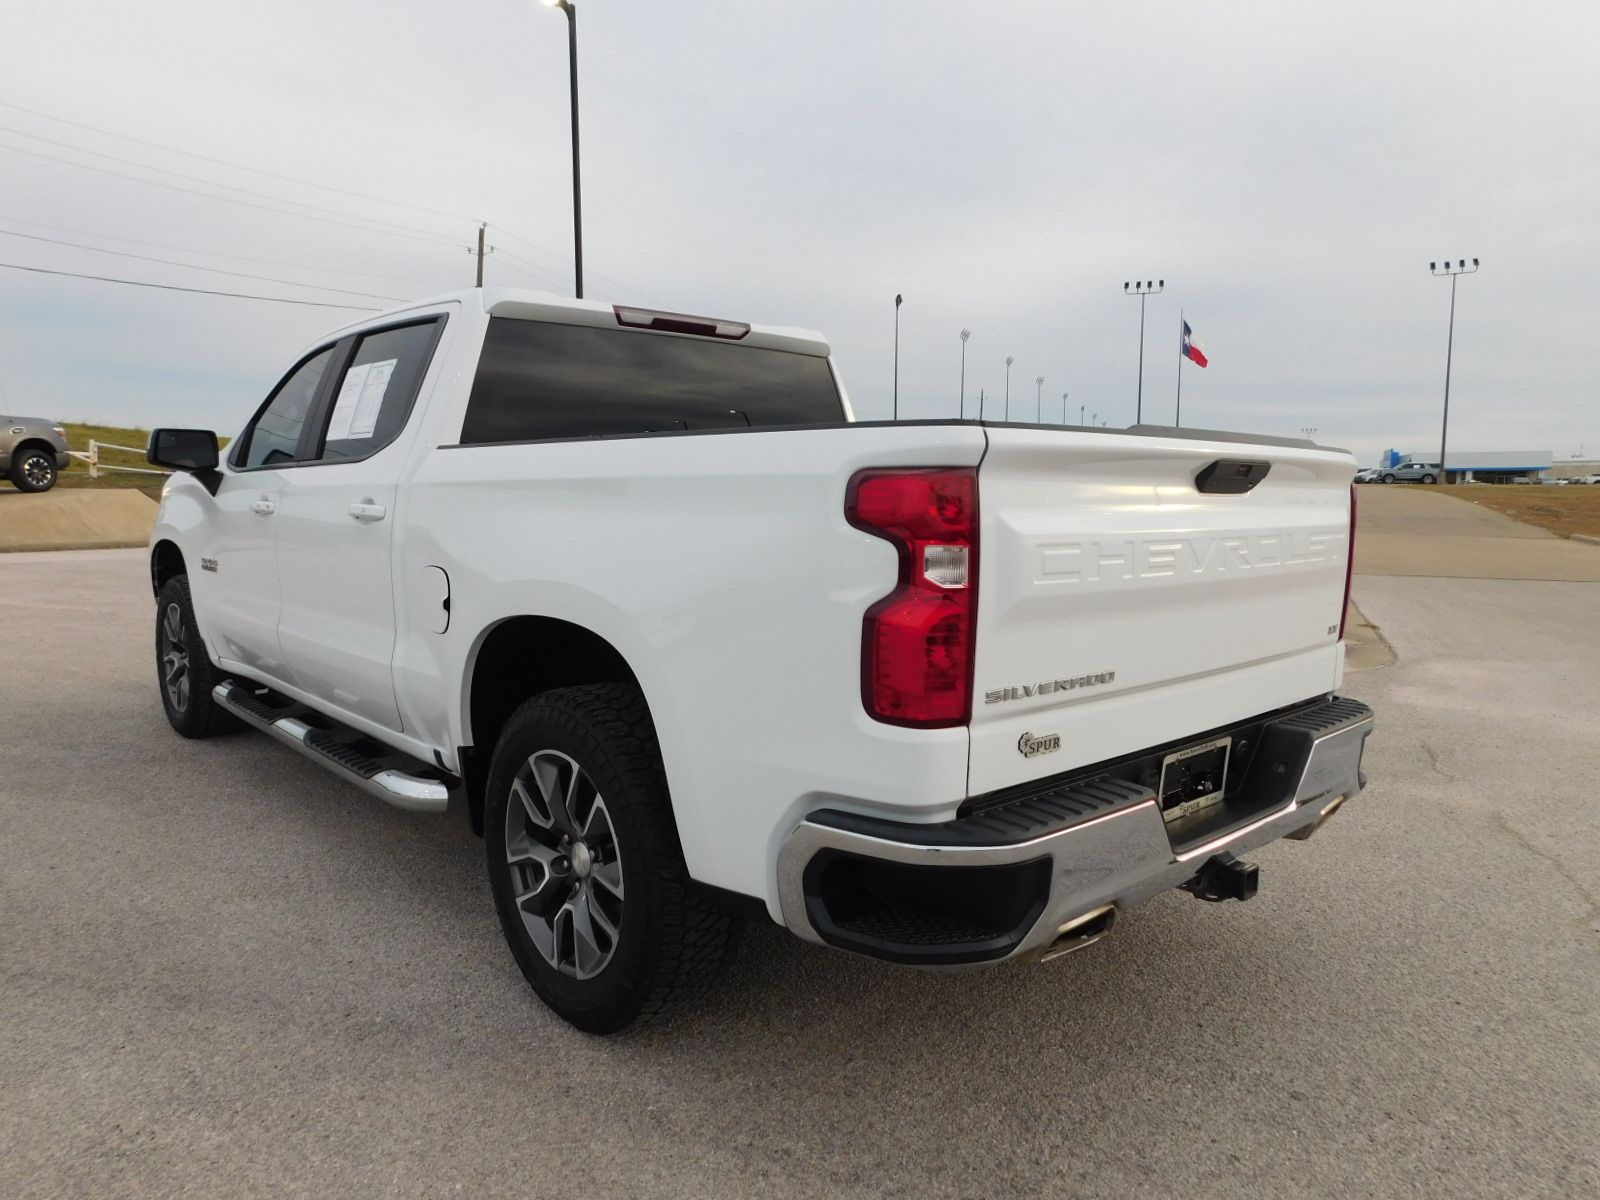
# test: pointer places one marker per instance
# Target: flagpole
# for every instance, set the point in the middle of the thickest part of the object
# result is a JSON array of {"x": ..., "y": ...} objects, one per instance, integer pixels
[{"x": 1177, "y": 416}]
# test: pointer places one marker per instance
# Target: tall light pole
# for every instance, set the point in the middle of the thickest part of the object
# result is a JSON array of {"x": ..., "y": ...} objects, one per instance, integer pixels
[
  {"x": 965, "y": 334},
  {"x": 1064, "y": 396},
  {"x": 577, "y": 189},
  {"x": 1459, "y": 269},
  {"x": 1081, "y": 407},
  {"x": 1009, "y": 361},
  {"x": 1038, "y": 402},
  {"x": 1141, "y": 290},
  {"x": 1309, "y": 431},
  {"x": 897, "y": 298}
]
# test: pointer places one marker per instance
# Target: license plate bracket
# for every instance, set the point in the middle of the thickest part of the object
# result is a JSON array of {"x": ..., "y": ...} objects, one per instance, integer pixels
[{"x": 1193, "y": 779}]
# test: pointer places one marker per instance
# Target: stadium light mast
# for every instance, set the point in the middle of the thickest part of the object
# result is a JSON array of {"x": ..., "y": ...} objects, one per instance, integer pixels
[
  {"x": 1141, "y": 290},
  {"x": 1454, "y": 272}
]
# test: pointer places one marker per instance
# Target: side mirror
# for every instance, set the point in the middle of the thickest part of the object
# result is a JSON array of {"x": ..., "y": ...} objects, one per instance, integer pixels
[{"x": 191, "y": 450}]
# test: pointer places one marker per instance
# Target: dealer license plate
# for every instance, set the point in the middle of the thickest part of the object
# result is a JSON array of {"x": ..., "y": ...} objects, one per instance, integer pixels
[{"x": 1193, "y": 778}]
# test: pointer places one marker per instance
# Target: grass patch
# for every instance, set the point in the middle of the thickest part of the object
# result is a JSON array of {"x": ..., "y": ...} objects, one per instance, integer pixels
[
  {"x": 77, "y": 475},
  {"x": 1561, "y": 510}
]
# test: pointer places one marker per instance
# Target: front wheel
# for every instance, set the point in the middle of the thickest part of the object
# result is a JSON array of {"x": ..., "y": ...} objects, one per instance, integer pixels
[
  {"x": 585, "y": 863},
  {"x": 184, "y": 669},
  {"x": 33, "y": 471},
  {"x": 1388, "y": 478}
]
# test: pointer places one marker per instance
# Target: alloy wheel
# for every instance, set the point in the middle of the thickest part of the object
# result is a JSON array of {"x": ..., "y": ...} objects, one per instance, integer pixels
[
  {"x": 38, "y": 471},
  {"x": 174, "y": 659},
  {"x": 566, "y": 870}
]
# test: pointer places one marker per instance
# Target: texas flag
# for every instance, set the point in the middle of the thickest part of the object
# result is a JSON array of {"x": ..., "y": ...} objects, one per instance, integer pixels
[{"x": 1191, "y": 347}]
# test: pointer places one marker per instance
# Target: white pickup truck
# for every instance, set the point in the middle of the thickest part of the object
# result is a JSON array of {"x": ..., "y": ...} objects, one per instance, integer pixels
[{"x": 688, "y": 642}]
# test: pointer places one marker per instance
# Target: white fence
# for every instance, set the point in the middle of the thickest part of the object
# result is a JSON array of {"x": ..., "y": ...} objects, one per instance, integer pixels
[{"x": 92, "y": 457}]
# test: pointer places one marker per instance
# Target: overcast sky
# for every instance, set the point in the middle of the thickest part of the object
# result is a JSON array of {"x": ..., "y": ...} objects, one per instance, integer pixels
[{"x": 1288, "y": 169}]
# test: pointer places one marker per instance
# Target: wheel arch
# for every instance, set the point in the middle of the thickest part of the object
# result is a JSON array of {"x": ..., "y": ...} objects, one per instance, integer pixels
[
  {"x": 43, "y": 445},
  {"x": 518, "y": 657},
  {"x": 166, "y": 561}
]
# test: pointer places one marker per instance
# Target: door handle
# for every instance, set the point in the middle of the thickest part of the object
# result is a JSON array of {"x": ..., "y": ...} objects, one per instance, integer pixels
[
  {"x": 368, "y": 511},
  {"x": 264, "y": 506}
]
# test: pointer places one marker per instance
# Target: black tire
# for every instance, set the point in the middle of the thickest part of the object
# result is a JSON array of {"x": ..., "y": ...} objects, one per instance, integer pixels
[
  {"x": 33, "y": 470},
  {"x": 1388, "y": 478},
  {"x": 670, "y": 942},
  {"x": 1429, "y": 479},
  {"x": 185, "y": 673}
]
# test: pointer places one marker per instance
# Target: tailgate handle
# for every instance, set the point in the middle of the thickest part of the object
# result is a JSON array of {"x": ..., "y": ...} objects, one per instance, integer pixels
[{"x": 1231, "y": 476}]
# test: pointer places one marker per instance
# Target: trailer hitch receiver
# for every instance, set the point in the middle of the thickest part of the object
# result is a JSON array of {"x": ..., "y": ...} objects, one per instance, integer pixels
[{"x": 1224, "y": 877}]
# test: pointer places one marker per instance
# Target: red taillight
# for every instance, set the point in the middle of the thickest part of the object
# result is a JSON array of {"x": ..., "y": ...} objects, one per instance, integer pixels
[
  {"x": 916, "y": 645},
  {"x": 1349, "y": 564}
]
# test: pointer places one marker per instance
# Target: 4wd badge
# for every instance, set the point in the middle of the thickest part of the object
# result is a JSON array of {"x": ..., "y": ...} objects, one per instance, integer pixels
[{"x": 1030, "y": 746}]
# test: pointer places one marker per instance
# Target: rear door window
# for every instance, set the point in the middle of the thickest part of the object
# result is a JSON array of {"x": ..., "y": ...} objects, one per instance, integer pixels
[
  {"x": 537, "y": 381},
  {"x": 369, "y": 407}
]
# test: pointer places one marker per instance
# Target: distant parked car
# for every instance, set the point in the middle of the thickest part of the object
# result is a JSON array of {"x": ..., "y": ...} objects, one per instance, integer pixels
[
  {"x": 1586, "y": 479},
  {"x": 1411, "y": 473},
  {"x": 1368, "y": 475},
  {"x": 32, "y": 452}
]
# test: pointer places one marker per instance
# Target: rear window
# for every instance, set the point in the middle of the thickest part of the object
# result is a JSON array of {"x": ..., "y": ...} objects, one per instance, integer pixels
[{"x": 540, "y": 381}]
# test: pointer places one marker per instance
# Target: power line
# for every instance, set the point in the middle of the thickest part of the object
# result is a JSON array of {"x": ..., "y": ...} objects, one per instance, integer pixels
[
  {"x": 440, "y": 241},
  {"x": 565, "y": 282},
  {"x": 172, "y": 287},
  {"x": 563, "y": 259},
  {"x": 33, "y": 112},
  {"x": 227, "y": 187},
  {"x": 34, "y": 237},
  {"x": 268, "y": 262}
]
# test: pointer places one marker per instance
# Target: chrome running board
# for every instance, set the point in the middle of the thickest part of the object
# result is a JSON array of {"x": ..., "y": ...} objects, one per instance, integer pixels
[{"x": 412, "y": 792}]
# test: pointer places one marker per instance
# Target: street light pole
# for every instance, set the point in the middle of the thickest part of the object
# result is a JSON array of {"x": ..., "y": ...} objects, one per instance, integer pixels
[
  {"x": 1064, "y": 396},
  {"x": 1081, "y": 407},
  {"x": 1009, "y": 361},
  {"x": 965, "y": 334},
  {"x": 897, "y": 299},
  {"x": 1038, "y": 402},
  {"x": 1147, "y": 288},
  {"x": 1459, "y": 269},
  {"x": 577, "y": 189}
]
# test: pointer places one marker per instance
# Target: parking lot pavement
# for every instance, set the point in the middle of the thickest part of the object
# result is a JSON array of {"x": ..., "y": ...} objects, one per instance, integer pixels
[{"x": 224, "y": 973}]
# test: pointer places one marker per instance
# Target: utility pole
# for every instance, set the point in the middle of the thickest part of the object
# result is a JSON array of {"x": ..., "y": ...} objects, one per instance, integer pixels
[
  {"x": 567, "y": 7},
  {"x": 480, "y": 253},
  {"x": 1148, "y": 288},
  {"x": 1459, "y": 269}
]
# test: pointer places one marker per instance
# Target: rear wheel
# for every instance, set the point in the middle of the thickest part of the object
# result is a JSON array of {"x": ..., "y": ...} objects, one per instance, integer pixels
[
  {"x": 184, "y": 669},
  {"x": 33, "y": 471},
  {"x": 1429, "y": 479},
  {"x": 585, "y": 863}
]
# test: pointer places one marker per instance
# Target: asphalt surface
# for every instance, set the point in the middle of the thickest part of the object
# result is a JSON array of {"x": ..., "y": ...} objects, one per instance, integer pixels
[{"x": 223, "y": 973}]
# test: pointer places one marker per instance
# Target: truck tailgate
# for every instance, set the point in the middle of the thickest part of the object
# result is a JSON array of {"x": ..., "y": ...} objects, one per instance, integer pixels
[{"x": 1120, "y": 607}]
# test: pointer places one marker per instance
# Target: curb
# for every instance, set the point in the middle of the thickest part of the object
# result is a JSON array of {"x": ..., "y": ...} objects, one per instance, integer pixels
[{"x": 1586, "y": 537}]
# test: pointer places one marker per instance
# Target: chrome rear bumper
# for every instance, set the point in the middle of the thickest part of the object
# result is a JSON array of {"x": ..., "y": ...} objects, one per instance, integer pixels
[{"x": 1105, "y": 842}]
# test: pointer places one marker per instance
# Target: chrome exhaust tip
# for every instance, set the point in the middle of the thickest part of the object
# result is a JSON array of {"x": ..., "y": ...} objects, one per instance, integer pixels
[
  {"x": 1081, "y": 931},
  {"x": 1305, "y": 831}
]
